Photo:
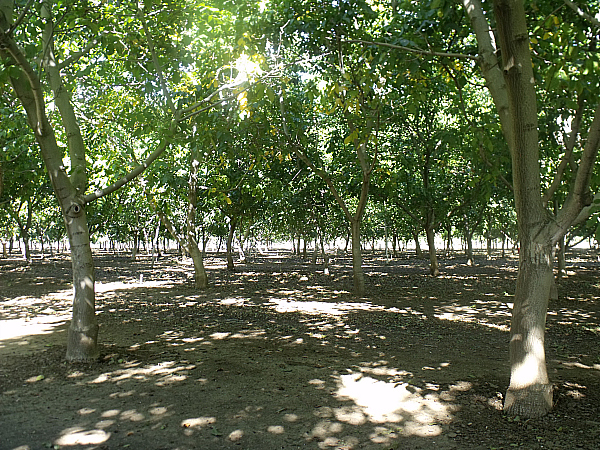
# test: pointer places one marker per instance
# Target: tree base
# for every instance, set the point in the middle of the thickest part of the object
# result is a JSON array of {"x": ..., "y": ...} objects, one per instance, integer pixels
[
  {"x": 530, "y": 402},
  {"x": 82, "y": 345},
  {"x": 201, "y": 282}
]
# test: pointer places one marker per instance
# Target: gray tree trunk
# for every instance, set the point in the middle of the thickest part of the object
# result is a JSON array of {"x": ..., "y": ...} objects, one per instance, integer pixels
[
  {"x": 232, "y": 225},
  {"x": 434, "y": 269},
  {"x": 357, "y": 271}
]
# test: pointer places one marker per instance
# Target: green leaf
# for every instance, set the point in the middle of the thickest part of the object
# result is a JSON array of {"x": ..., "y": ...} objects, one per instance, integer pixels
[
  {"x": 270, "y": 94},
  {"x": 351, "y": 137}
]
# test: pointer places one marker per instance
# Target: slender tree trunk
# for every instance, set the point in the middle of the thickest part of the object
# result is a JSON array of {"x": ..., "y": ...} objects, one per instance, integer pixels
[
  {"x": 433, "y": 266},
  {"x": 418, "y": 251},
  {"x": 325, "y": 258},
  {"x": 469, "y": 243},
  {"x": 357, "y": 271},
  {"x": 315, "y": 251},
  {"x": 232, "y": 225},
  {"x": 562, "y": 262},
  {"x": 200, "y": 276}
]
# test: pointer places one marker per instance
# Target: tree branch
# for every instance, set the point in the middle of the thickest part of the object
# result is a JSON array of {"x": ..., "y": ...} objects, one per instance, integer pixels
[
  {"x": 491, "y": 166},
  {"x": 588, "y": 210},
  {"x": 20, "y": 19},
  {"x": 417, "y": 51},
  {"x": 75, "y": 56},
  {"x": 162, "y": 146},
  {"x": 159, "y": 71},
  {"x": 489, "y": 65},
  {"x": 579, "y": 196},
  {"x": 321, "y": 173},
  {"x": 568, "y": 156},
  {"x": 8, "y": 46},
  {"x": 581, "y": 13}
]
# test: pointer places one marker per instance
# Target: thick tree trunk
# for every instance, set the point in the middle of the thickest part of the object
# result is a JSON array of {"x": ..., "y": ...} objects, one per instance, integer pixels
[
  {"x": 83, "y": 332},
  {"x": 530, "y": 392},
  {"x": 433, "y": 265},
  {"x": 357, "y": 271}
]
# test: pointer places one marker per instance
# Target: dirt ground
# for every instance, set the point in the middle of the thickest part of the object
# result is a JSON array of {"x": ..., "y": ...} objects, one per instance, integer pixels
[{"x": 279, "y": 355}]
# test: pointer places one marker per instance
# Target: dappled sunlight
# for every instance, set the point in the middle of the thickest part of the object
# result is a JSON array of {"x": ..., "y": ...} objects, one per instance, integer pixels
[
  {"x": 102, "y": 288},
  {"x": 482, "y": 312},
  {"x": 320, "y": 307},
  {"x": 19, "y": 328},
  {"x": 276, "y": 357},
  {"x": 58, "y": 302},
  {"x": 26, "y": 334},
  {"x": 386, "y": 401},
  {"x": 78, "y": 436},
  {"x": 166, "y": 372},
  {"x": 578, "y": 365}
]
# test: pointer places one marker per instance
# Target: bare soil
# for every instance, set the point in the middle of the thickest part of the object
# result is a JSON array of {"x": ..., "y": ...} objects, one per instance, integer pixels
[{"x": 279, "y": 355}]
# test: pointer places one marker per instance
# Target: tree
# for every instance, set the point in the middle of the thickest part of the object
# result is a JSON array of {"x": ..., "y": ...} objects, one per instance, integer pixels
[
  {"x": 77, "y": 40},
  {"x": 513, "y": 89}
]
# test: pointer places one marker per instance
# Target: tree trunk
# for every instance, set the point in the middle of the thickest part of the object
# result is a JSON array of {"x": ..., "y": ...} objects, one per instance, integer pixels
[
  {"x": 82, "y": 344},
  {"x": 469, "y": 242},
  {"x": 357, "y": 271},
  {"x": 433, "y": 266},
  {"x": 325, "y": 258},
  {"x": 315, "y": 251},
  {"x": 232, "y": 225},
  {"x": 530, "y": 392},
  {"x": 348, "y": 236},
  {"x": 418, "y": 251},
  {"x": 200, "y": 276},
  {"x": 562, "y": 263}
]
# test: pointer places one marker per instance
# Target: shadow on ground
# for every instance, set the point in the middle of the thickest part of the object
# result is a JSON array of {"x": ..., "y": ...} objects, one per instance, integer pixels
[{"x": 278, "y": 355}]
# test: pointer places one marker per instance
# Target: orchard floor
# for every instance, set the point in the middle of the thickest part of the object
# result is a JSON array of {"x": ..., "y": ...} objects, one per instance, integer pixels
[{"x": 279, "y": 355}]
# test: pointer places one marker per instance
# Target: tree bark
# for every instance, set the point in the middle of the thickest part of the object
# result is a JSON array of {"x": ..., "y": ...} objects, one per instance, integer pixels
[
  {"x": 232, "y": 225},
  {"x": 529, "y": 393},
  {"x": 357, "y": 271},
  {"x": 469, "y": 242},
  {"x": 433, "y": 261},
  {"x": 418, "y": 251},
  {"x": 83, "y": 332}
]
